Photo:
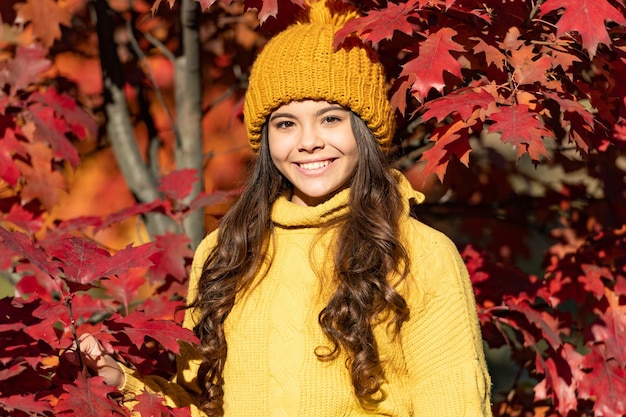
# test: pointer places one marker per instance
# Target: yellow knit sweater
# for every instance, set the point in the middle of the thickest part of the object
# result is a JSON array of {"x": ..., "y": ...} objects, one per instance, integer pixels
[{"x": 436, "y": 368}]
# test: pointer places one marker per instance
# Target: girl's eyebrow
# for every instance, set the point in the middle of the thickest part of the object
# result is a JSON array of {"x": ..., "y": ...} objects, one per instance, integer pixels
[{"x": 317, "y": 113}]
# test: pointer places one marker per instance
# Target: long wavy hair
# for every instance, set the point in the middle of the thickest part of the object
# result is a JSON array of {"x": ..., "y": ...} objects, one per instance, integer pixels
[{"x": 368, "y": 253}]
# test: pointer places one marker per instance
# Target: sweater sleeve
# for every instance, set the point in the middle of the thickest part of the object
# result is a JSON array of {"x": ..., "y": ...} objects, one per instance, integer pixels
[
  {"x": 441, "y": 340},
  {"x": 183, "y": 390}
]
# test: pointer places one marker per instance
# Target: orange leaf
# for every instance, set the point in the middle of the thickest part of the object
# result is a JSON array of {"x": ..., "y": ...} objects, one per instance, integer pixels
[{"x": 46, "y": 16}]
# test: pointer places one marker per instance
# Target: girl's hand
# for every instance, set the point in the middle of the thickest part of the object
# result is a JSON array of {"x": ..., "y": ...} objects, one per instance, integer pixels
[{"x": 97, "y": 360}]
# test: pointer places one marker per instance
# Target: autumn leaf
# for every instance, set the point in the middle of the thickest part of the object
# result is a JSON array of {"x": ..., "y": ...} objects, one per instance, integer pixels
[
  {"x": 381, "y": 24},
  {"x": 548, "y": 325},
  {"x": 170, "y": 258},
  {"x": 462, "y": 102},
  {"x": 23, "y": 246},
  {"x": 178, "y": 184},
  {"x": 613, "y": 332},
  {"x": 587, "y": 17},
  {"x": 137, "y": 326},
  {"x": 41, "y": 181},
  {"x": 46, "y": 16},
  {"x": 25, "y": 68},
  {"x": 522, "y": 130},
  {"x": 51, "y": 129},
  {"x": 31, "y": 404},
  {"x": 451, "y": 140},
  {"x": 527, "y": 69},
  {"x": 82, "y": 124},
  {"x": 426, "y": 71},
  {"x": 90, "y": 396},
  {"x": 605, "y": 382}
]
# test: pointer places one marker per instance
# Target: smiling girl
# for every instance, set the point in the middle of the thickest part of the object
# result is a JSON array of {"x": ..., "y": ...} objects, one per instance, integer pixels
[{"x": 320, "y": 295}]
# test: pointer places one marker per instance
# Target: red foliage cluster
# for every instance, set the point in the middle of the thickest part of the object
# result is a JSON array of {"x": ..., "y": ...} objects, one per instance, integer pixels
[{"x": 517, "y": 107}]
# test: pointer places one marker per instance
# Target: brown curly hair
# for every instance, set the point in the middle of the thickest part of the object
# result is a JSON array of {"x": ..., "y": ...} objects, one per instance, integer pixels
[{"x": 368, "y": 253}]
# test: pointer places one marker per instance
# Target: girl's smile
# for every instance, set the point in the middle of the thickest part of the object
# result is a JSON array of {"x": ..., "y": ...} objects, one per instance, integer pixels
[{"x": 312, "y": 144}]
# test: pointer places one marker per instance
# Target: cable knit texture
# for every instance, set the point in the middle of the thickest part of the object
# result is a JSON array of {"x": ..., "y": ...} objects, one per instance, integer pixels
[
  {"x": 435, "y": 368},
  {"x": 301, "y": 63}
]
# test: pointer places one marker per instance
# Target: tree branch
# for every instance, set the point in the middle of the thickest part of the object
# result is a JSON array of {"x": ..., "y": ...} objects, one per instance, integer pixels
[
  {"x": 119, "y": 125},
  {"x": 188, "y": 84}
]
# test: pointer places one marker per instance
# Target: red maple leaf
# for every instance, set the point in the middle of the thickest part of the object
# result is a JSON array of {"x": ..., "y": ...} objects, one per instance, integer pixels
[
  {"x": 380, "y": 24},
  {"x": 426, "y": 71},
  {"x": 605, "y": 383},
  {"x": 587, "y": 17},
  {"x": 124, "y": 287},
  {"x": 90, "y": 397},
  {"x": 520, "y": 129},
  {"x": 46, "y": 16},
  {"x": 462, "y": 102},
  {"x": 25, "y": 68}
]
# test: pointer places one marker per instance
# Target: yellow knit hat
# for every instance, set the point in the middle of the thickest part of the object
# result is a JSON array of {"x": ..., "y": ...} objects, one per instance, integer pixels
[{"x": 301, "y": 63}]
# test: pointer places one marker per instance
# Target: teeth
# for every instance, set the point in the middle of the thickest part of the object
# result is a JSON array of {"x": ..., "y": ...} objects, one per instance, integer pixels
[{"x": 314, "y": 165}]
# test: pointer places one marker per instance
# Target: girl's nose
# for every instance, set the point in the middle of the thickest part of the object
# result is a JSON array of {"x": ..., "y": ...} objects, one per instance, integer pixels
[{"x": 310, "y": 140}]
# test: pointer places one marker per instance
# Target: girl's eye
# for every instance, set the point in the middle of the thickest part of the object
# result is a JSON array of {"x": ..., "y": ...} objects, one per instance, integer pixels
[
  {"x": 331, "y": 119},
  {"x": 284, "y": 124}
]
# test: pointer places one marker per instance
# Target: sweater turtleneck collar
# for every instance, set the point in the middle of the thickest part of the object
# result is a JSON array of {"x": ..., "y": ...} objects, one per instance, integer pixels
[{"x": 290, "y": 215}]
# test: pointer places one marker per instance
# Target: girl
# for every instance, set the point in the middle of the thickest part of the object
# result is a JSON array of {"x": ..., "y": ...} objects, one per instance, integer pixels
[{"x": 320, "y": 295}]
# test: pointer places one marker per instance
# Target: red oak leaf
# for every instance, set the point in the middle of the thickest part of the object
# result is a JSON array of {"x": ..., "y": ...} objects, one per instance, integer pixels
[
  {"x": 22, "y": 245},
  {"x": 136, "y": 210},
  {"x": 29, "y": 404},
  {"x": 42, "y": 182},
  {"x": 426, "y": 71},
  {"x": 137, "y": 326},
  {"x": 178, "y": 184},
  {"x": 587, "y": 17},
  {"x": 605, "y": 383},
  {"x": 526, "y": 68},
  {"x": 556, "y": 387},
  {"x": 46, "y": 16},
  {"x": 520, "y": 129},
  {"x": 592, "y": 279},
  {"x": 493, "y": 55},
  {"x": 10, "y": 146},
  {"x": 380, "y": 24},
  {"x": 170, "y": 259},
  {"x": 462, "y": 101},
  {"x": 24, "y": 219},
  {"x": 149, "y": 404},
  {"x": 84, "y": 262},
  {"x": 24, "y": 69},
  {"x": 124, "y": 287},
  {"x": 90, "y": 396},
  {"x": 548, "y": 325},
  {"x": 450, "y": 140},
  {"x": 51, "y": 129},
  {"x": 83, "y": 125},
  {"x": 613, "y": 332}
]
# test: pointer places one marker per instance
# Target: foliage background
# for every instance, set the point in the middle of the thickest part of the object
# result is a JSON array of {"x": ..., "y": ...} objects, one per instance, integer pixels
[{"x": 121, "y": 145}]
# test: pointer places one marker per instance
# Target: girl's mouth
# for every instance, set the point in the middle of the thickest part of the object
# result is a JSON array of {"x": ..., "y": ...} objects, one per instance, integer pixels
[{"x": 314, "y": 165}]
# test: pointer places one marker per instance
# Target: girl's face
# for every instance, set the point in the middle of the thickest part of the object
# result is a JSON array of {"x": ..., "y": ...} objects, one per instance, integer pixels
[{"x": 312, "y": 144}]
